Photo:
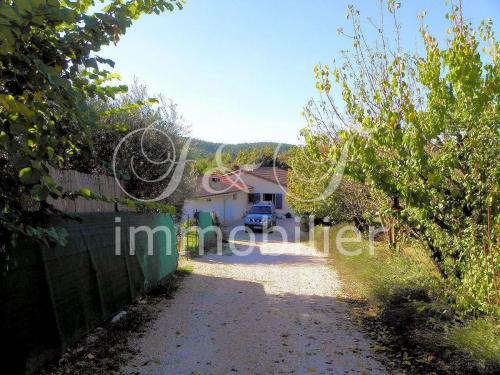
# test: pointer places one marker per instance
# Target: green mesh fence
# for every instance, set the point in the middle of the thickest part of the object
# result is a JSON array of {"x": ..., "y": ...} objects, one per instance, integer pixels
[
  {"x": 53, "y": 296},
  {"x": 208, "y": 235}
]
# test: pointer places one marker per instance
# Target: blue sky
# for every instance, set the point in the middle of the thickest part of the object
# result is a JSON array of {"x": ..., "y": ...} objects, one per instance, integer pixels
[{"x": 241, "y": 70}]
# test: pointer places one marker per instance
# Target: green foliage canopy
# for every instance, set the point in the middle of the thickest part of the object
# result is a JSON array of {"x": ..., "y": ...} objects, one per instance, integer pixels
[
  {"x": 49, "y": 70},
  {"x": 145, "y": 160},
  {"x": 313, "y": 189},
  {"x": 424, "y": 130}
]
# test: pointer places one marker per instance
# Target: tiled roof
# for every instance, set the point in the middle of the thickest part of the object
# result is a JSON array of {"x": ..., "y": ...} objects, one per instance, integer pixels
[
  {"x": 233, "y": 182},
  {"x": 220, "y": 184},
  {"x": 276, "y": 175}
]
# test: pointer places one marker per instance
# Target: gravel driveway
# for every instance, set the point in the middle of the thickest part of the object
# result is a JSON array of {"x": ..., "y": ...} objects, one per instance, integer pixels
[{"x": 271, "y": 312}]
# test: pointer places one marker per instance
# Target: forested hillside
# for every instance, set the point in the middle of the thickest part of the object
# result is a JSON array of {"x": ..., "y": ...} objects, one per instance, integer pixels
[{"x": 202, "y": 148}]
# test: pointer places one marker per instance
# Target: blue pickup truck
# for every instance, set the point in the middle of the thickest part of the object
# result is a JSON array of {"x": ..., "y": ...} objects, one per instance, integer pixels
[{"x": 262, "y": 215}]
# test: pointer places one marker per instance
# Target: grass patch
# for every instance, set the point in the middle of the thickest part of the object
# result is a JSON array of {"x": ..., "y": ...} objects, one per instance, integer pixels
[
  {"x": 408, "y": 308},
  {"x": 185, "y": 270},
  {"x": 190, "y": 244},
  {"x": 480, "y": 338}
]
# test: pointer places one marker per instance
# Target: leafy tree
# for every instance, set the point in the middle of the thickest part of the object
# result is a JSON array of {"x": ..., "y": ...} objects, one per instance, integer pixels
[
  {"x": 313, "y": 188},
  {"x": 142, "y": 158},
  {"x": 207, "y": 165},
  {"x": 264, "y": 157},
  {"x": 260, "y": 156},
  {"x": 49, "y": 70},
  {"x": 204, "y": 148},
  {"x": 424, "y": 130}
]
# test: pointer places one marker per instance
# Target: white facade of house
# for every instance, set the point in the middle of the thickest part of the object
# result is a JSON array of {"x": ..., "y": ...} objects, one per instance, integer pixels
[
  {"x": 228, "y": 207},
  {"x": 232, "y": 207},
  {"x": 264, "y": 187}
]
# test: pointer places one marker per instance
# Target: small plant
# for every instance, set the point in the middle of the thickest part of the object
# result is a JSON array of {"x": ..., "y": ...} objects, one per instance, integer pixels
[{"x": 185, "y": 270}]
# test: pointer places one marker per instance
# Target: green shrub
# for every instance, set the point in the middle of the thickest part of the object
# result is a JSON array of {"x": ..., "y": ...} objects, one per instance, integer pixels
[
  {"x": 423, "y": 130},
  {"x": 414, "y": 301}
]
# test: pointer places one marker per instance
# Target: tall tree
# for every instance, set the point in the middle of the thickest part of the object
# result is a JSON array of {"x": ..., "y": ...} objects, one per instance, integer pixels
[
  {"x": 49, "y": 69},
  {"x": 139, "y": 139},
  {"x": 316, "y": 186},
  {"x": 424, "y": 130}
]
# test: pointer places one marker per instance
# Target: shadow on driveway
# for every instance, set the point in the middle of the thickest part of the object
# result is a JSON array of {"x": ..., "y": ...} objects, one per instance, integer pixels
[{"x": 221, "y": 325}]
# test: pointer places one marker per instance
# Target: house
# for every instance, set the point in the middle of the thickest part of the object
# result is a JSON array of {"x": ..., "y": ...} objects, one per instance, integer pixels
[{"x": 231, "y": 195}]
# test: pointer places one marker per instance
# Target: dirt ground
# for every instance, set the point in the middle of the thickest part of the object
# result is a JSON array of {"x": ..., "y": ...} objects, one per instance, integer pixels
[{"x": 273, "y": 311}]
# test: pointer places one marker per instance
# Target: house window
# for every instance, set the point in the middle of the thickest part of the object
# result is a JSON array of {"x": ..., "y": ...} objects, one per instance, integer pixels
[
  {"x": 277, "y": 199},
  {"x": 253, "y": 197},
  {"x": 268, "y": 197},
  {"x": 235, "y": 196}
]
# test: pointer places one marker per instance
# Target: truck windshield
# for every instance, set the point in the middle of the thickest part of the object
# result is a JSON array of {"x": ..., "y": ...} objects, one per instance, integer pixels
[{"x": 261, "y": 210}]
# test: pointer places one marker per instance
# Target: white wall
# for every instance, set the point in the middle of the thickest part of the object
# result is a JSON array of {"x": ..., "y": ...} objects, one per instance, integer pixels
[
  {"x": 229, "y": 209},
  {"x": 262, "y": 186},
  {"x": 225, "y": 206}
]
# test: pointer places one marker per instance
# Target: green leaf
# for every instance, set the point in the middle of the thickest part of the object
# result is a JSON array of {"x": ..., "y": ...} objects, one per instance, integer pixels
[
  {"x": 152, "y": 101},
  {"x": 4, "y": 139},
  {"x": 29, "y": 176},
  {"x": 50, "y": 152},
  {"x": 39, "y": 192},
  {"x": 86, "y": 193}
]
